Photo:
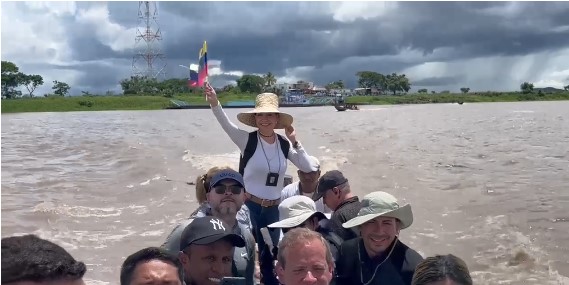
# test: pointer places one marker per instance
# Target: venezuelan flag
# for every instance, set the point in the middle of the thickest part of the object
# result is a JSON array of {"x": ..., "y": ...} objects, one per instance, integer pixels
[
  {"x": 202, "y": 69},
  {"x": 193, "y": 81}
]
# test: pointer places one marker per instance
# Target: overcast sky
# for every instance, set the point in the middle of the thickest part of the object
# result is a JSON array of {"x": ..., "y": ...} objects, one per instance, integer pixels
[{"x": 438, "y": 45}]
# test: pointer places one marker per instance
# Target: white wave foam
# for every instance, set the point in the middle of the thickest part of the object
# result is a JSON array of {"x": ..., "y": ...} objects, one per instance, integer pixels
[
  {"x": 95, "y": 282},
  {"x": 155, "y": 233},
  {"x": 77, "y": 211},
  {"x": 207, "y": 161},
  {"x": 156, "y": 177},
  {"x": 505, "y": 243},
  {"x": 87, "y": 212}
]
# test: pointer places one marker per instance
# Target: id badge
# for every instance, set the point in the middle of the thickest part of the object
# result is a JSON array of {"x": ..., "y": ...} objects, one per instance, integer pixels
[{"x": 272, "y": 179}]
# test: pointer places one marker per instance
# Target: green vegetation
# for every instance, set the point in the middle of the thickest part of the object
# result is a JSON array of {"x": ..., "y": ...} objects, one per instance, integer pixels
[
  {"x": 101, "y": 103},
  {"x": 141, "y": 93},
  {"x": 456, "y": 97}
]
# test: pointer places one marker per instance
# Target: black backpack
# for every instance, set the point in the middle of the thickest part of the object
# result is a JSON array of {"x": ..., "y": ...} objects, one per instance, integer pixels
[{"x": 252, "y": 146}]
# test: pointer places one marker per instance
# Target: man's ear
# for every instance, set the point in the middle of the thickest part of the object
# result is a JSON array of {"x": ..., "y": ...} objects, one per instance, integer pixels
[
  {"x": 280, "y": 271},
  {"x": 331, "y": 268},
  {"x": 183, "y": 257}
]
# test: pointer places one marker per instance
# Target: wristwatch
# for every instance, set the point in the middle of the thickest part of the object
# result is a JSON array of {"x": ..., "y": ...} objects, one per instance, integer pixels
[{"x": 295, "y": 144}]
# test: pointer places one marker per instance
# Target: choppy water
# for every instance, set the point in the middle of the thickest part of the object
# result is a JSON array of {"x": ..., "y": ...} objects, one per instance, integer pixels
[{"x": 486, "y": 181}]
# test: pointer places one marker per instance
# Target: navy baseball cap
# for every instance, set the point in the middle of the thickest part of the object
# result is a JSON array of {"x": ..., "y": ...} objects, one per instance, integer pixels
[
  {"x": 226, "y": 174},
  {"x": 207, "y": 230},
  {"x": 328, "y": 181}
]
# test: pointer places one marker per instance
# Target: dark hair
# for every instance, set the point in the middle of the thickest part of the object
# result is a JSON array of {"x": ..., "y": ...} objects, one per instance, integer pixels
[
  {"x": 30, "y": 258},
  {"x": 441, "y": 267},
  {"x": 146, "y": 255}
]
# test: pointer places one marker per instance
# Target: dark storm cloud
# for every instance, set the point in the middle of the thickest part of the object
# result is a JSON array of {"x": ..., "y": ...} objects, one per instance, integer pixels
[
  {"x": 271, "y": 36},
  {"x": 257, "y": 37},
  {"x": 484, "y": 29},
  {"x": 438, "y": 81}
]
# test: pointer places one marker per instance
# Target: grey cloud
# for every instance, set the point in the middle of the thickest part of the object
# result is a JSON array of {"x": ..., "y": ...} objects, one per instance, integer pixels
[
  {"x": 438, "y": 81},
  {"x": 257, "y": 37}
]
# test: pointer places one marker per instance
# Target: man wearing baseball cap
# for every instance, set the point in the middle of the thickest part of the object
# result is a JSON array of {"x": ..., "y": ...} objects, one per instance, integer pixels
[
  {"x": 306, "y": 185},
  {"x": 225, "y": 196},
  {"x": 378, "y": 256},
  {"x": 206, "y": 251},
  {"x": 334, "y": 190}
]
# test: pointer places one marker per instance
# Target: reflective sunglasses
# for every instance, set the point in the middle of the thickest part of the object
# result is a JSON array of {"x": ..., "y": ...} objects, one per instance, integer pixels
[{"x": 222, "y": 189}]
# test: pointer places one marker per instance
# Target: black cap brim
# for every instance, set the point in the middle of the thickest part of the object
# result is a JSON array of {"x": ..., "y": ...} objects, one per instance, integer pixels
[
  {"x": 317, "y": 195},
  {"x": 235, "y": 239}
]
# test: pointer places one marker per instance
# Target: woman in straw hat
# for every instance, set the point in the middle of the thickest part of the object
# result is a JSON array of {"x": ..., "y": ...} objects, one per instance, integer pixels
[{"x": 264, "y": 155}]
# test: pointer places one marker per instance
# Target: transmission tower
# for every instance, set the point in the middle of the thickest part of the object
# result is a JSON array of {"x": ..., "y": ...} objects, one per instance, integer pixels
[{"x": 148, "y": 60}]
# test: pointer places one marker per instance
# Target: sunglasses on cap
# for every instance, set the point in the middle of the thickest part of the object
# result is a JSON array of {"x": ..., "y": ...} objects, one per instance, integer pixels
[{"x": 222, "y": 189}]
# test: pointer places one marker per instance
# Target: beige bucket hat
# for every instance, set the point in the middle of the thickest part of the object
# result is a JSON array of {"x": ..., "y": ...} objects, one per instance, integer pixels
[
  {"x": 295, "y": 210},
  {"x": 383, "y": 204},
  {"x": 265, "y": 103}
]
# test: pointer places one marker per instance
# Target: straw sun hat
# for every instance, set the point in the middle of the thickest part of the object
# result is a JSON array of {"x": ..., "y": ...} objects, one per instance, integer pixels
[{"x": 265, "y": 103}]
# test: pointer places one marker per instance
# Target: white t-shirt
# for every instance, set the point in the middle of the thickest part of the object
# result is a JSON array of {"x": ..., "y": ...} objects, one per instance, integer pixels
[
  {"x": 257, "y": 169},
  {"x": 293, "y": 190}
]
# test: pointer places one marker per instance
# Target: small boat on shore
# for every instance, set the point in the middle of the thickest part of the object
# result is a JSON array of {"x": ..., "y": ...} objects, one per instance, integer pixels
[{"x": 341, "y": 105}]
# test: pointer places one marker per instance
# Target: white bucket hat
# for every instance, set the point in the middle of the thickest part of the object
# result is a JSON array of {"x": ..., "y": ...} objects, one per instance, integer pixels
[
  {"x": 295, "y": 210},
  {"x": 265, "y": 103},
  {"x": 382, "y": 204}
]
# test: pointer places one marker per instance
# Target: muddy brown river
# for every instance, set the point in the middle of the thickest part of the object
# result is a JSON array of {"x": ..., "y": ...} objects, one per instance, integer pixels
[{"x": 487, "y": 182}]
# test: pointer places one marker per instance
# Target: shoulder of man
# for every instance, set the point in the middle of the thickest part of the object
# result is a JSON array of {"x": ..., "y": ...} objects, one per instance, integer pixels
[
  {"x": 201, "y": 211},
  {"x": 244, "y": 217},
  {"x": 290, "y": 190},
  {"x": 347, "y": 262},
  {"x": 172, "y": 243},
  {"x": 412, "y": 257}
]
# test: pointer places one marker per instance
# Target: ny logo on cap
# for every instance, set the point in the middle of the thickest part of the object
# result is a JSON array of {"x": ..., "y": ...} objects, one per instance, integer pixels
[{"x": 217, "y": 224}]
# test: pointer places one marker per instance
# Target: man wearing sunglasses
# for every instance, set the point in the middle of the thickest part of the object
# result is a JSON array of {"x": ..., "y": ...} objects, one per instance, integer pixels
[{"x": 225, "y": 197}]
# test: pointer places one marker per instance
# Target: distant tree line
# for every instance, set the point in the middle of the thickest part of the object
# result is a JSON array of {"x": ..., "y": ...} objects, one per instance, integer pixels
[
  {"x": 12, "y": 79},
  {"x": 393, "y": 83}
]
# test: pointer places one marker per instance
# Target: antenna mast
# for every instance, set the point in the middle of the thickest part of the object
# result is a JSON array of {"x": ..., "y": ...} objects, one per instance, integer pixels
[{"x": 148, "y": 60}]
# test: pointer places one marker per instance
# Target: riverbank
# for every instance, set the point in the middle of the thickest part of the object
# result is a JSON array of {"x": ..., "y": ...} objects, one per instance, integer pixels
[{"x": 110, "y": 103}]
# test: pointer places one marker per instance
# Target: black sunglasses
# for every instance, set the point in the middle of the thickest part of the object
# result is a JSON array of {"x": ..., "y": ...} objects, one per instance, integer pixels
[
  {"x": 285, "y": 230},
  {"x": 222, "y": 189}
]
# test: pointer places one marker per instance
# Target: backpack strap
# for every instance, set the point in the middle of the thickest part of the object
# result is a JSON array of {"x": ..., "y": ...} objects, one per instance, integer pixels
[
  {"x": 285, "y": 145},
  {"x": 252, "y": 146},
  {"x": 249, "y": 151},
  {"x": 335, "y": 239}
]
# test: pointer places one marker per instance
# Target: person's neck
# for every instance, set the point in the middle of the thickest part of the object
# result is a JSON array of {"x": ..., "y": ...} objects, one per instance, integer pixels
[
  {"x": 348, "y": 196},
  {"x": 229, "y": 220},
  {"x": 268, "y": 136},
  {"x": 306, "y": 187}
]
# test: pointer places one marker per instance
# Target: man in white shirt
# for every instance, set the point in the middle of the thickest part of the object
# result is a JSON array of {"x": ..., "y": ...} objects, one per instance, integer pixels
[{"x": 306, "y": 185}]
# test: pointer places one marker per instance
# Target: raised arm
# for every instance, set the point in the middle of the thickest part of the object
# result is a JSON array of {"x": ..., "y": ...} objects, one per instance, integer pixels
[
  {"x": 300, "y": 158},
  {"x": 296, "y": 154},
  {"x": 238, "y": 136}
]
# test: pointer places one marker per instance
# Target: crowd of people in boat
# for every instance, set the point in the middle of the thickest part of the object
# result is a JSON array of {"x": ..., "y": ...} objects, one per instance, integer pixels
[{"x": 250, "y": 228}]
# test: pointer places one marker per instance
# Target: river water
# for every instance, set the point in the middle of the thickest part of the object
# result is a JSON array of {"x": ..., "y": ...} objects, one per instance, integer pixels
[{"x": 487, "y": 182}]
